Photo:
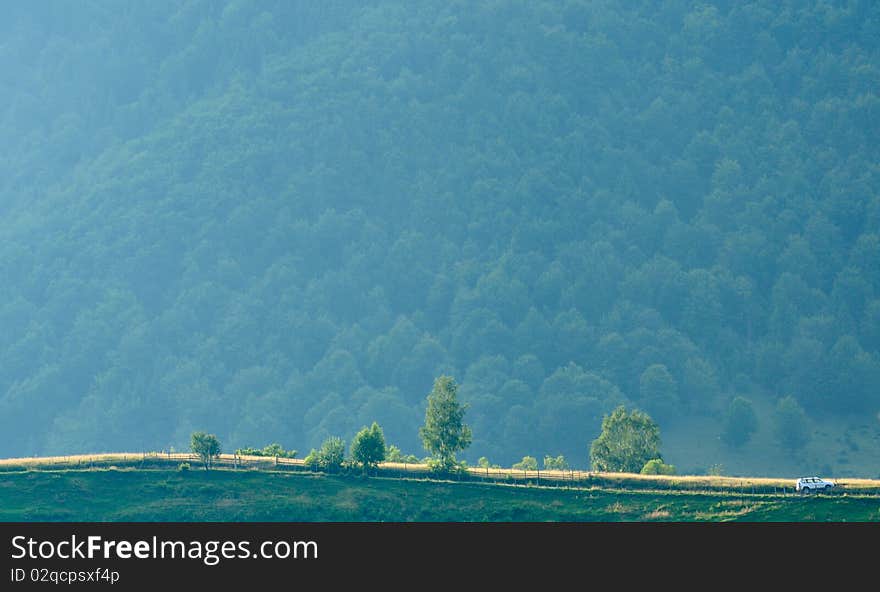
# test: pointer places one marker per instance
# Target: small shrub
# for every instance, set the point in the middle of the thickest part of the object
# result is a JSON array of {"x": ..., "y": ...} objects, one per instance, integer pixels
[
  {"x": 184, "y": 466},
  {"x": 249, "y": 452},
  {"x": 656, "y": 466},
  {"x": 555, "y": 463},
  {"x": 447, "y": 467},
  {"x": 436, "y": 465},
  {"x": 528, "y": 463},
  {"x": 394, "y": 454},
  {"x": 311, "y": 460},
  {"x": 271, "y": 450}
]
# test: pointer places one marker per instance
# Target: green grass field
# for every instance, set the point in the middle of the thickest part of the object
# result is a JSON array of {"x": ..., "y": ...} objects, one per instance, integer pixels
[{"x": 161, "y": 495}]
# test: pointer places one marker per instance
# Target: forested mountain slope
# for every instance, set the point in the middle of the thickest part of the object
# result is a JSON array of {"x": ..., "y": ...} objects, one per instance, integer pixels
[{"x": 278, "y": 221}]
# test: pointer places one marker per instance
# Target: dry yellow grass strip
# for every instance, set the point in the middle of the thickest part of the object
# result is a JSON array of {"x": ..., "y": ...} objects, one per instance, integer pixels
[
  {"x": 131, "y": 456},
  {"x": 73, "y": 458}
]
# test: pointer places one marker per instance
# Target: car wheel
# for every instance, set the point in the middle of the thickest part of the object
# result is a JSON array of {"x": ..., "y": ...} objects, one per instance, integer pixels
[
  {"x": 827, "y": 489},
  {"x": 806, "y": 491}
]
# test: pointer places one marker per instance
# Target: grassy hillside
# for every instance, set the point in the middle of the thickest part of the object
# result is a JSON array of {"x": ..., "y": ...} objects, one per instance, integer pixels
[{"x": 221, "y": 495}]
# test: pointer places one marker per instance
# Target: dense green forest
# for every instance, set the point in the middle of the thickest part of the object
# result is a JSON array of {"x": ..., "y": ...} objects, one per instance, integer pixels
[{"x": 280, "y": 221}]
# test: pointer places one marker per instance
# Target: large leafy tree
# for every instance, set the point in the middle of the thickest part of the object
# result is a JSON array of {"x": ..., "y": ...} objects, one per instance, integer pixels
[
  {"x": 329, "y": 457},
  {"x": 444, "y": 432},
  {"x": 368, "y": 446},
  {"x": 628, "y": 440},
  {"x": 207, "y": 446}
]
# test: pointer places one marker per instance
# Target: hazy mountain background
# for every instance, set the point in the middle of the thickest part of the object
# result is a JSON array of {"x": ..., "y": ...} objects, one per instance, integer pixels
[{"x": 279, "y": 221}]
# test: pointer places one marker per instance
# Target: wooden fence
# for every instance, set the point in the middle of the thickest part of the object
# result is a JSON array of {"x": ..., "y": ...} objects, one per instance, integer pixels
[{"x": 536, "y": 478}]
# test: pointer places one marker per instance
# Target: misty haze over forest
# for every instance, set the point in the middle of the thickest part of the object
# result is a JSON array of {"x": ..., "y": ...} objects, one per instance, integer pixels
[{"x": 279, "y": 221}]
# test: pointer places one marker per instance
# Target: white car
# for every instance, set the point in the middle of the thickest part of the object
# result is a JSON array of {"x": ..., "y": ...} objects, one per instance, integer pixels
[{"x": 811, "y": 484}]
